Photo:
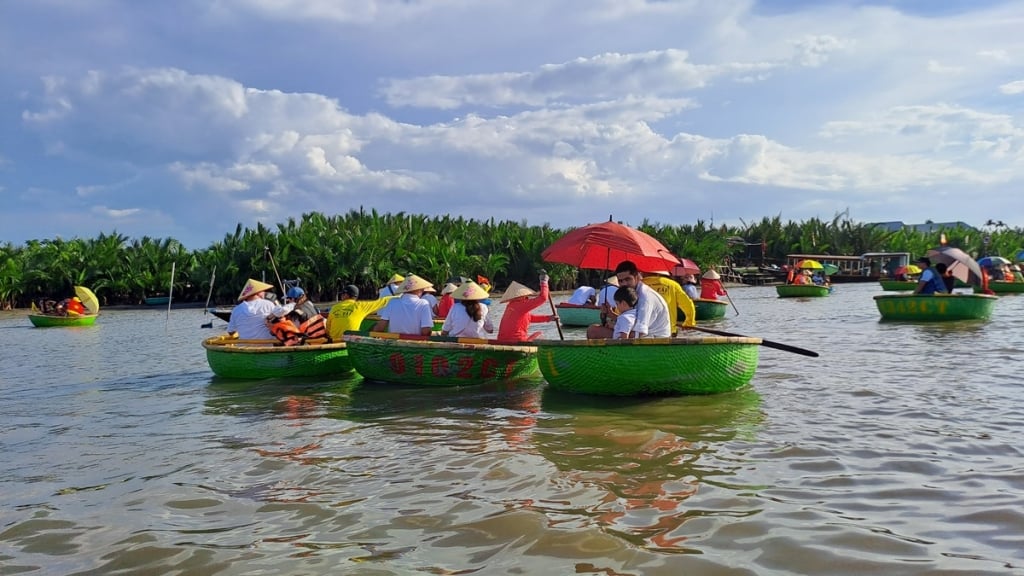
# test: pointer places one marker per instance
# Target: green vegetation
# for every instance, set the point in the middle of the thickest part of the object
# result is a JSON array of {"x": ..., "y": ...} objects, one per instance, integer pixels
[{"x": 365, "y": 248}]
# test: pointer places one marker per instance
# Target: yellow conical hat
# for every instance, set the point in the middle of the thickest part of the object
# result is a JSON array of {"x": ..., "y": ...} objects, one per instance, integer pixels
[
  {"x": 396, "y": 278},
  {"x": 252, "y": 287}
]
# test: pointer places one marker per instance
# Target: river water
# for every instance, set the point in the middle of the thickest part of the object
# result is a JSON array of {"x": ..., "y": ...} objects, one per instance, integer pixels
[{"x": 898, "y": 451}]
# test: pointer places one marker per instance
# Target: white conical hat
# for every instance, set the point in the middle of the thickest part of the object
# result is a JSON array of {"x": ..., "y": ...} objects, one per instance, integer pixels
[
  {"x": 515, "y": 290},
  {"x": 613, "y": 280},
  {"x": 470, "y": 291},
  {"x": 711, "y": 275},
  {"x": 253, "y": 287},
  {"x": 414, "y": 282},
  {"x": 448, "y": 288}
]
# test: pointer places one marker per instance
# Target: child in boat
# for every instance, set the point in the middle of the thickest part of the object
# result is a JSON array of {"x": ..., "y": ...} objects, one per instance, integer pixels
[
  {"x": 281, "y": 325},
  {"x": 625, "y": 304}
]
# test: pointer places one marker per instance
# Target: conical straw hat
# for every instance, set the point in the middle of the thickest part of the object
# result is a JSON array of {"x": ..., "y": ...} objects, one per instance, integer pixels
[
  {"x": 396, "y": 278},
  {"x": 515, "y": 290},
  {"x": 470, "y": 291},
  {"x": 613, "y": 280},
  {"x": 414, "y": 282},
  {"x": 449, "y": 288},
  {"x": 711, "y": 275},
  {"x": 252, "y": 287}
]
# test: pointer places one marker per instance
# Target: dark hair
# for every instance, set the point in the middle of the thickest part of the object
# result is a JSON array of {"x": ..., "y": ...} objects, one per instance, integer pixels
[
  {"x": 940, "y": 268},
  {"x": 626, "y": 266},
  {"x": 473, "y": 309},
  {"x": 925, "y": 260},
  {"x": 626, "y": 294},
  {"x": 351, "y": 290}
]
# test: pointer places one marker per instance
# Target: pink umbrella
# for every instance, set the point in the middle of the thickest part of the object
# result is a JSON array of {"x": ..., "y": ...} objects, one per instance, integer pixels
[{"x": 958, "y": 262}]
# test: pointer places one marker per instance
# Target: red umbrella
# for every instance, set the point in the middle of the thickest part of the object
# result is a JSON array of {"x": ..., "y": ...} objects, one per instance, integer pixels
[
  {"x": 687, "y": 267},
  {"x": 602, "y": 246}
]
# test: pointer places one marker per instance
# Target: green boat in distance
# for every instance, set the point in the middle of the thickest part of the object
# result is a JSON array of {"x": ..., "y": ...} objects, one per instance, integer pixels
[
  {"x": 367, "y": 324},
  {"x": 53, "y": 321},
  {"x": 158, "y": 300},
  {"x": 648, "y": 367},
  {"x": 439, "y": 360},
  {"x": 898, "y": 285},
  {"x": 802, "y": 290},
  {"x": 572, "y": 315},
  {"x": 259, "y": 359},
  {"x": 1003, "y": 287},
  {"x": 708, "y": 309},
  {"x": 935, "y": 307}
]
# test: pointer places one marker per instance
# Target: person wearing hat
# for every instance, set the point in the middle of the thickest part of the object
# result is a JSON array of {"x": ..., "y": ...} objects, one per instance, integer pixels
[
  {"x": 391, "y": 288},
  {"x": 930, "y": 281},
  {"x": 681, "y": 308},
  {"x": 470, "y": 319},
  {"x": 711, "y": 285},
  {"x": 520, "y": 301},
  {"x": 1017, "y": 275},
  {"x": 75, "y": 306},
  {"x": 445, "y": 302},
  {"x": 429, "y": 295},
  {"x": 409, "y": 313},
  {"x": 282, "y": 325},
  {"x": 690, "y": 285},
  {"x": 652, "y": 314},
  {"x": 303, "y": 306},
  {"x": 350, "y": 311},
  {"x": 249, "y": 317},
  {"x": 606, "y": 299}
]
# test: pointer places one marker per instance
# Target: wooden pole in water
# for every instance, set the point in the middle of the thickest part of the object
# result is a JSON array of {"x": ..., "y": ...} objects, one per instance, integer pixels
[{"x": 170, "y": 297}]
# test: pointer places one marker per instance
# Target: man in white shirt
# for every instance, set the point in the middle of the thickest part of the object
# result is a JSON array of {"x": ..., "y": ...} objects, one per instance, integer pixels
[
  {"x": 652, "y": 315},
  {"x": 408, "y": 314},
  {"x": 249, "y": 318},
  {"x": 583, "y": 296}
]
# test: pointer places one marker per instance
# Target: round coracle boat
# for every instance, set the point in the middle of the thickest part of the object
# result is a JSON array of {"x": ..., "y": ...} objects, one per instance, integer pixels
[
  {"x": 439, "y": 360},
  {"x": 53, "y": 320},
  {"x": 1003, "y": 287},
  {"x": 897, "y": 285},
  {"x": 578, "y": 315},
  {"x": 655, "y": 366},
  {"x": 255, "y": 359},
  {"x": 935, "y": 307},
  {"x": 710, "y": 309},
  {"x": 802, "y": 290}
]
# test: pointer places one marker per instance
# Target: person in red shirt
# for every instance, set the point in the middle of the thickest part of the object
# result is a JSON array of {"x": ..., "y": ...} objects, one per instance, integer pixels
[
  {"x": 75, "y": 306},
  {"x": 711, "y": 286},
  {"x": 517, "y": 318},
  {"x": 445, "y": 302}
]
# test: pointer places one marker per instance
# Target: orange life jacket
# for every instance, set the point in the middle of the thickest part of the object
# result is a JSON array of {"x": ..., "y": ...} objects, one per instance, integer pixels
[
  {"x": 315, "y": 327},
  {"x": 286, "y": 332}
]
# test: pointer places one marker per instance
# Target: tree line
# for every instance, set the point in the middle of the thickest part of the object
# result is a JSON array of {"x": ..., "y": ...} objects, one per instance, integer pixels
[{"x": 324, "y": 253}]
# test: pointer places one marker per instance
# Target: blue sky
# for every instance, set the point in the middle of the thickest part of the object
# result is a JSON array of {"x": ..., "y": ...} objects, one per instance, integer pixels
[{"x": 181, "y": 119}]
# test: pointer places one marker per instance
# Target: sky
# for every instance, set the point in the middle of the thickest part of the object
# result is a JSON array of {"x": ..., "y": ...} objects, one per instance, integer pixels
[{"x": 183, "y": 119}]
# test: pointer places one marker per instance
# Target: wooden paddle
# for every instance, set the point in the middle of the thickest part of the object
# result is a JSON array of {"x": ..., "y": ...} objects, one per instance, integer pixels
[
  {"x": 558, "y": 323},
  {"x": 765, "y": 343}
]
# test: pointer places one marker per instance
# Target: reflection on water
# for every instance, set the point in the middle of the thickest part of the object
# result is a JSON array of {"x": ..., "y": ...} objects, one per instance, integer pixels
[{"x": 897, "y": 451}]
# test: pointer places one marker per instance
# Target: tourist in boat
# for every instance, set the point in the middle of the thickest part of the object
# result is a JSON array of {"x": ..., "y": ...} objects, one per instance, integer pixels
[
  {"x": 711, "y": 286},
  {"x": 520, "y": 301},
  {"x": 249, "y": 317},
  {"x": 409, "y": 313},
  {"x": 281, "y": 323},
  {"x": 468, "y": 318},
  {"x": 349, "y": 312},
  {"x": 930, "y": 281},
  {"x": 428, "y": 295},
  {"x": 947, "y": 277},
  {"x": 75, "y": 307},
  {"x": 652, "y": 314},
  {"x": 305, "y": 308},
  {"x": 391, "y": 288},
  {"x": 1017, "y": 275},
  {"x": 625, "y": 304},
  {"x": 606, "y": 299},
  {"x": 445, "y": 302},
  {"x": 802, "y": 277},
  {"x": 583, "y": 296},
  {"x": 690, "y": 286},
  {"x": 680, "y": 307}
]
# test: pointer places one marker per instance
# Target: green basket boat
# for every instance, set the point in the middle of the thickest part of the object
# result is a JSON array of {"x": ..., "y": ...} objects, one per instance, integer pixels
[
  {"x": 158, "y": 300},
  {"x": 572, "y": 315},
  {"x": 1003, "y": 287},
  {"x": 802, "y": 290},
  {"x": 655, "y": 366},
  {"x": 935, "y": 307},
  {"x": 367, "y": 324},
  {"x": 438, "y": 360},
  {"x": 256, "y": 359},
  {"x": 710, "y": 309},
  {"x": 51, "y": 321},
  {"x": 897, "y": 285}
]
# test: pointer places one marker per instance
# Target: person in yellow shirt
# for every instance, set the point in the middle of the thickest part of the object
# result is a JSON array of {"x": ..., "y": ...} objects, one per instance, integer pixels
[
  {"x": 674, "y": 296},
  {"x": 350, "y": 312}
]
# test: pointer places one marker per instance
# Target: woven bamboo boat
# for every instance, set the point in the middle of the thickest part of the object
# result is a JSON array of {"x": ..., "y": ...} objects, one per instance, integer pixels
[
  {"x": 367, "y": 324},
  {"x": 51, "y": 321},
  {"x": 655, "y": 366},
  {"x": 255, "y": 359},
  {"x": 438, "y": 360},
  {"x": 574, "y": 315},
  {"x": 935, "y": 307},
  {"x": 897, "y": 285},
  {"x": 157, "y": 300},
  {"x": 802, "y": 290},
  {"x": 708, "y": 309},
  {"x": 1003, "y": 287}
]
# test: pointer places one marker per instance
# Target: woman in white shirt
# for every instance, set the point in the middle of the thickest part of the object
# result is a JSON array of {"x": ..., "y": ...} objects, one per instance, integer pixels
[{"x": 470, "y": 319}]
